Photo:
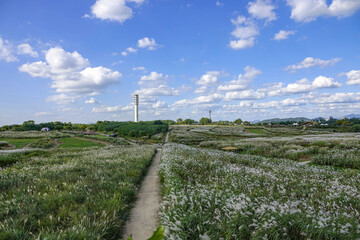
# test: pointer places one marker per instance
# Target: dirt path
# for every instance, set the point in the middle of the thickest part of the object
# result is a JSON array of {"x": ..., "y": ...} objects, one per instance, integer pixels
[{"x": 144, "y": 216}]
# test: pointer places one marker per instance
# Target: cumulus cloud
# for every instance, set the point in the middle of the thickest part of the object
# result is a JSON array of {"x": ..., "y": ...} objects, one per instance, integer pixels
[
  {"x": 312, "y": 62},
  {"x": 282, "y": 34},
  {"x": 6, "y": 52},
  {"x": 310, "y": 10},
  {"x": 71, "y": 73},
  {"x": 140, "y": 68},
  {"x": 245, "y": 33},
  {"x": 26, "y": 49},
  {"x": 155, "y": 84},
  {"x": 61, "y": 99},
  {"x": 106, "y": 109},
  {"x": 245, "y": 95},
  {"x": 91, "y": 101},
  {"x": 148, "y": 43},
  {"x": 305, "y": 85},
  {"x": 113, "y": 10},
  {"x": 353, "y": 77},
  {"x": 209, "y": 78},
  {"x": 40, "y": 114},
  {"x": 211, "y": 98},
  {"x": 129, "y": 50},
  {"x": 243, "y": 81},
  {"x": 262, "y": 9}
]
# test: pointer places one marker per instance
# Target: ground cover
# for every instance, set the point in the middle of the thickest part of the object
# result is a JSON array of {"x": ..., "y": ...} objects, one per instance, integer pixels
[
  {"x": 19, "y": 142},
  {"x": 71, "y": 193},
  {"x": 210, "y": 194},
  {"x": 335, "y": 149},
  {"x": 72, "y": 142}
]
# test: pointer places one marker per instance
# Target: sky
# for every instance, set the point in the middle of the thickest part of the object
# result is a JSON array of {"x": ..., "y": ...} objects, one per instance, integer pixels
[{"x": 82, "y": 61}]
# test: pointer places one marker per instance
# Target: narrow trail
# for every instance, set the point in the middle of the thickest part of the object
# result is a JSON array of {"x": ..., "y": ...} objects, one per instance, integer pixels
[{"x": 144, "y": 218}]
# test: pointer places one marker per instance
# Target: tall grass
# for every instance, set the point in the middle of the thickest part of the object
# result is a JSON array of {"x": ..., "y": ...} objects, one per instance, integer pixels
[
  {"x": 71, "y": 194},
  {"x": 209, "y": 194}
]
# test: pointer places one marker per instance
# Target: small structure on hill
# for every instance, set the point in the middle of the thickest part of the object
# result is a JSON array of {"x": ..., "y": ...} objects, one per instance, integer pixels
[{"x": 45, "y": 129}]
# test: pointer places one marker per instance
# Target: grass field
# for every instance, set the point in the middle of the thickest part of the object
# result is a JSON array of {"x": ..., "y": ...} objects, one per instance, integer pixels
[
  {"x": 72, "y": 142},
  {"x": 210, "y": 194},
  {"x": 71, "y": 194},
  {"x": 19, "y": 142}
]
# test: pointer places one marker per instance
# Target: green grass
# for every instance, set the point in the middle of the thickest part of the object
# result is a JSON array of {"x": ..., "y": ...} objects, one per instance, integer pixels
[
  {"x": 71, "y": 194},
  {"x": 72, "y": 142},
  {"x": 18, "y": 142},
  {"x": 256, "y": 130}
]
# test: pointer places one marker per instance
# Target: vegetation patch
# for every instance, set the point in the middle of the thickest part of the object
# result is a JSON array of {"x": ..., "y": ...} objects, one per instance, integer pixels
[
  {"x": 72, "y": 142},
  {"x": 71, "y": 194},
  {"x": 210, "y": 194}
]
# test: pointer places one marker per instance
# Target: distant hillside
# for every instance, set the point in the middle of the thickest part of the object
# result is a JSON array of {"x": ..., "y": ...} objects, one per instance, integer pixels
[
  {"x": 277, "y": 120},
  {"x": 352, "y": 116}
]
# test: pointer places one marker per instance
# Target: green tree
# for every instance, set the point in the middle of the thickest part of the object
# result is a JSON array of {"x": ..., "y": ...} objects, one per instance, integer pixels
[
  {"x": 179, "y": 120},
  {"x": 238, "y": 121},
  {"x": 205, "y": 121}
]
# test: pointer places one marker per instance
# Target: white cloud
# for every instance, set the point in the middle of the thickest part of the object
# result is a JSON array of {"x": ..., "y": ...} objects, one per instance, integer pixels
[
  {"x": 219, "y": 4},
  {"x": 139, "y": 69},
  {"x": 336, "y": 98},
  {"x": 71, "y": 73},
  {"x": 245, "y": 32},
  {"x": 242, "y": 82},
  {"x": 61, "y": 99},
  {"x": 128, "y": 50},
  {"x": 6, "y": 51},
  {"x": 27, "y": 50},
  {"x": 310, "y": 10},
  {"x": 209, "y": 78},
  {"x": 36, "y": 69},
  {"x": 105, "y": 109},
  {"x": 91, "y": 101},
  {"x": 304, "y": 85},
  {"x": 312, "y": 62},
  {"x": 282, "y": 34},
  {"x": 113, "y": 10},
  {"x": 155, "y": 84},
  {"x": 242, "y": 43},
  {"x": 245, "y": 95},
  {"x": 148, "y": 43},
  {"x": 262, "y": 9},
  {"x": 353, "y": 77},
  {"x": 131, "y": 50},
  {"x": 212, "y": 98},
  {"x": 39, "y": 114}
]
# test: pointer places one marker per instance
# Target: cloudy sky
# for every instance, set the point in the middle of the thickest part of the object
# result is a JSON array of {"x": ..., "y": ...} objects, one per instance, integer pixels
[{"x": 82, "y": 61}]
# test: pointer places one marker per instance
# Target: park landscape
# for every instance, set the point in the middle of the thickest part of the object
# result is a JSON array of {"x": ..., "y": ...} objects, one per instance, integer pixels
[
  {"x": 274, "y": 182},
  {"x": 179, "y": 120}
]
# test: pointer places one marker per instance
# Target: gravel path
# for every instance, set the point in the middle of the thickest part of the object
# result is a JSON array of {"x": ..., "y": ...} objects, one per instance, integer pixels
[{"x": 144, "y": 216}]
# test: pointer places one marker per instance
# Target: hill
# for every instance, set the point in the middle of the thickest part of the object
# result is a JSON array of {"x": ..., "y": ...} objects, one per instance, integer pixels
[
  {"x": 352, "y": 116},
  {"x": 277, "y": 120}
]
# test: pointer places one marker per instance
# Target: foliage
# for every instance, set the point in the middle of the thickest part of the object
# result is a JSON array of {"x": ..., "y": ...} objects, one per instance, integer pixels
[
  {"x": 210, "y": 194},
  {"x": 71, "y": 194},
  {"x": 238, "y": 121},
  {"x": 205, "y": 121},
  {"x": 71, "y": 142}
]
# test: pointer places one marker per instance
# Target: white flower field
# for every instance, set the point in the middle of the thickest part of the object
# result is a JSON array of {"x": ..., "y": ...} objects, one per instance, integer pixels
[{"x": 210, "y": 194}]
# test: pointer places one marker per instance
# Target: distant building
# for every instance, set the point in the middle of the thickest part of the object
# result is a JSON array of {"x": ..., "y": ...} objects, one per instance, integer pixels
[
  {"x": 45, "y": 129},
  {"x": 295, "y": 124}
]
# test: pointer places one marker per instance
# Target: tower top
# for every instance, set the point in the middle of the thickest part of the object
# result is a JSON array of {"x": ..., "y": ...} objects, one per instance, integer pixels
[{"x": 136, "y": 99}]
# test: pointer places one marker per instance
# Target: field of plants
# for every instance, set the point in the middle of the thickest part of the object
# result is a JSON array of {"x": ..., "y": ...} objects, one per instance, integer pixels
[
  {"x": 212, "y": 194},
  {"x": 70, "y": 193},
  {"x": 324, "y": 148}
]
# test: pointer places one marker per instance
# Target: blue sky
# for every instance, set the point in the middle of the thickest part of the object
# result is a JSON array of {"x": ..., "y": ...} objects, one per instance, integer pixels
[{"x": 82, "y": 61}]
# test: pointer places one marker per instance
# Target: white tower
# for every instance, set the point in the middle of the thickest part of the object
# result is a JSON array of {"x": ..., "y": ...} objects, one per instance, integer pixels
[{"x": 136, "y": 103}]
